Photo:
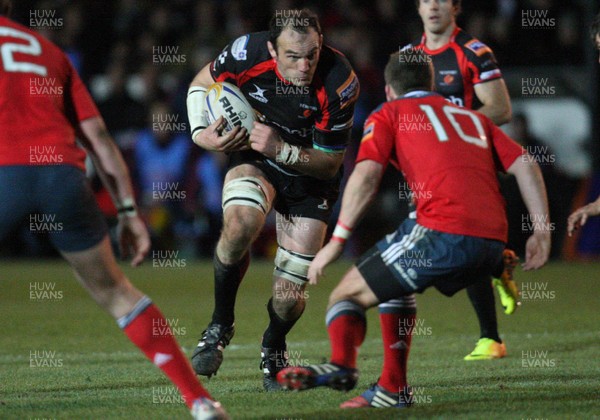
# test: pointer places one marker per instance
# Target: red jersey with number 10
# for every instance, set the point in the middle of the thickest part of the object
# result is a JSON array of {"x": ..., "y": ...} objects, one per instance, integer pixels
[
  {"x": 449, "y": 156},
  {"x": 42, "y": 101}
]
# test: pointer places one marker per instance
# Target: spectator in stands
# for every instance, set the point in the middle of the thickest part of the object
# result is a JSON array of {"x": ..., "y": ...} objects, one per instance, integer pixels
[{"x": 161, "y": 154}]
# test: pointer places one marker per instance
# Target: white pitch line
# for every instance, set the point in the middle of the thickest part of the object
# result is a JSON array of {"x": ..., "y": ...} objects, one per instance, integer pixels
[{"x": 8, "y": 358}]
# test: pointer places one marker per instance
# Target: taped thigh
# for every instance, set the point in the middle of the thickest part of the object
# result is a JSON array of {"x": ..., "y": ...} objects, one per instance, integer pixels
[{"x": 246, "y": 191}]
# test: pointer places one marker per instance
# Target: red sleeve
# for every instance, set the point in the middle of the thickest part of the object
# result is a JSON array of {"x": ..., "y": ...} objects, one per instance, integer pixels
[
  {"x": 82, "y": 105},
  {"x": 507, "y": 150},
  {"x": 378, "y": 139}
]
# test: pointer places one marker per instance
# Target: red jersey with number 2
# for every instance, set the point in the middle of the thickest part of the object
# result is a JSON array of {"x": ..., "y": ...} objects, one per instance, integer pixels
[
  {"x": 42, "y": 101},
  {"x": 449, "y": 156}
]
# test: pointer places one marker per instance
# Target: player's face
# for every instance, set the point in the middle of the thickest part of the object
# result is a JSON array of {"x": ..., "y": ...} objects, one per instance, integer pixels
[
  {"x": 437, "y": 15},
  {"x": 297, "y": 55}
]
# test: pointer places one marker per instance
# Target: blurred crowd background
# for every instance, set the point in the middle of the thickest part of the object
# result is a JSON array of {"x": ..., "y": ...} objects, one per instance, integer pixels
[{"x": 138, "y": 58}]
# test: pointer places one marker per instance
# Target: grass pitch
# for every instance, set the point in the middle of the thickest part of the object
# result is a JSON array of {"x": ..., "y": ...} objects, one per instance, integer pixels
[{"x": 61, "y": 357}]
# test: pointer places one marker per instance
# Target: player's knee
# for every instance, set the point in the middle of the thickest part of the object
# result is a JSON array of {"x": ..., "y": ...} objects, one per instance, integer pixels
[
  {"x": 242, "y": 224},
  {"x": 292, "y": 266},
  {"x": 289, "y": 288},
  {"x": 338, "y": 294},
  {"x": 354, "y": 288}
]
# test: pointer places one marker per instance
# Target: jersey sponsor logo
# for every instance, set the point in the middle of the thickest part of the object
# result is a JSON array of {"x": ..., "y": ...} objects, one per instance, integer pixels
[
  {"x": 305, "y": 114},
  {"x": 491, "y": 74},
  {"x": 348, "y": 92},
  {"x": 311, "y": 107},
  {"x": 238, "y": 48},
  {"x": 259, "y": 95},
  {"x": 478, "y": 47},
  {"x": 307, "y": 110},
  {"x": 448, "y": 76},
  {"x": 456, "y": 100},
  {"x": 368, "y": 132},
  {"x": 302, "y": 132},
  {"x": 448, "y": 79}
]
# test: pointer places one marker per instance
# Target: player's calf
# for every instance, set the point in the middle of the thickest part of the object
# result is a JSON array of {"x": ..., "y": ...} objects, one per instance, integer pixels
[{"x": 283, "y": 314}]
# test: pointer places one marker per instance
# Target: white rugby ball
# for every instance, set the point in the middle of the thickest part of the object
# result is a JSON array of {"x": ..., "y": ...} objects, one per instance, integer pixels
[{"x": 225, "y": 99}]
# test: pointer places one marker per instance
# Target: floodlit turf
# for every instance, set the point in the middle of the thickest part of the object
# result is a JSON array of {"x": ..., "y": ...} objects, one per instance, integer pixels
[{"x": 61, "y": 357}]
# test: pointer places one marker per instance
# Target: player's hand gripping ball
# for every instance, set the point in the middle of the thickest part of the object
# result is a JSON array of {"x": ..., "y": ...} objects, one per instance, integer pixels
[{"x": 225, "y": 99}]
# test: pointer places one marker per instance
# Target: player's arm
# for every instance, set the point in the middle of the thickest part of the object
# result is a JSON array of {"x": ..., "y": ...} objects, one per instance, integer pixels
[
  {"x": 495, "y": 99},
  {"x": 373, "y": 155},
  {"x": 580, "y": 216},
  {"x": 310, "y": 161},
  {"x": 210, "y": 136},
  {"x": 488, "y": 83},
  {"x": 203, "y": 78},
  {"x": 114, "y": 174},
  {"x": 359, "y": 193},
  {"x": 533, "y": 191}
]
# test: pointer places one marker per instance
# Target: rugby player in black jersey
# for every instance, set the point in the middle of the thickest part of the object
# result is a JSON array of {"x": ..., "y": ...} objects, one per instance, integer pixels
[{"x": 303, "y": 92}]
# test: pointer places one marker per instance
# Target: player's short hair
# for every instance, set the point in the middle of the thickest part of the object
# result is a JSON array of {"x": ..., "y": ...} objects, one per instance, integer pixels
[
  {"x": 5, "y": 7},
  {"x": 299, "y": 20},
  {"x": 595, "y": 28},
  {"x": 457, "y": 3},
  {"x": 410, "y": 69}
]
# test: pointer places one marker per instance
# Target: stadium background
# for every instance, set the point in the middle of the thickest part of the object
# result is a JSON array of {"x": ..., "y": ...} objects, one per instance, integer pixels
[{"x": 138, "y": 57}]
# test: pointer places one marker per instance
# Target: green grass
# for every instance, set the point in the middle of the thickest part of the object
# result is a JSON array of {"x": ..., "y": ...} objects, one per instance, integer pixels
[{"x": 97, "y": 373}]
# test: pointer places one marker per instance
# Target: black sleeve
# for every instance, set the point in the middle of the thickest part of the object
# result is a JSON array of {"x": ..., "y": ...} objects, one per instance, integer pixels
[{"x": 337, "y": 98}]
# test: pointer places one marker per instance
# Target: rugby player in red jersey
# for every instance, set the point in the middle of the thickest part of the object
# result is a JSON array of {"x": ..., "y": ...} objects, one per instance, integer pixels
[
  {"x": 303, "y": 92},
  {"x": 467, "y": 74},
  {"x": 44, "y": 106},
  {"x": 459, "y": 246}
]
